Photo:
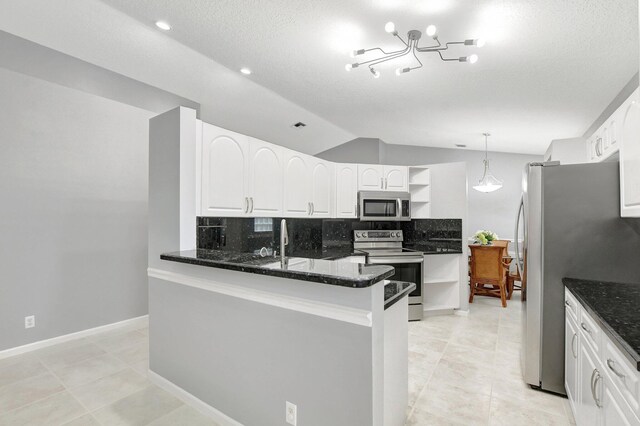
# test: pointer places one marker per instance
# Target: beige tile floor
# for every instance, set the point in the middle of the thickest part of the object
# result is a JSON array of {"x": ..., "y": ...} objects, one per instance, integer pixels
[
  {"x": 465, "y": 370},
  {"x": 99, "y": 380},
  {"x": 462, "y": 371}
]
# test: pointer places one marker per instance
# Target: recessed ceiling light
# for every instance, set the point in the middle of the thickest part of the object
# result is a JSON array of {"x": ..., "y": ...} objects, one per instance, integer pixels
[
  {"x": 245, "y": 71},
  {"x": 163, "y": 25}
]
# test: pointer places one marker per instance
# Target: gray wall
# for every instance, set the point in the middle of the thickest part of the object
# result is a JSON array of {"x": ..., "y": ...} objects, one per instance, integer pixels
[
  {"x": 73, "y": 228},
  {"x": 494, "y": 211}
]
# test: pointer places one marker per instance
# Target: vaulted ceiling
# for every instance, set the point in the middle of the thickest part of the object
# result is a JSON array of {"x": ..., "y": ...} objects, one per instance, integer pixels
[{"x": 548, "y": 70}]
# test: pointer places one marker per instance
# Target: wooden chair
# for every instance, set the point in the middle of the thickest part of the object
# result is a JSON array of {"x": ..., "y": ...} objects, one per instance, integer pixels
[
  {"x": 512, "y": 277},
  {"x": 488, "y": 268}
]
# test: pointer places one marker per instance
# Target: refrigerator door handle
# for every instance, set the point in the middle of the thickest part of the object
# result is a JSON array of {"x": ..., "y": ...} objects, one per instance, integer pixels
[{"x": 519, "y": 265}]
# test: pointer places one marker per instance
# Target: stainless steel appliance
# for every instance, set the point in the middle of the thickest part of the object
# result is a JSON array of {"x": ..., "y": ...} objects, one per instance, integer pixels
[
  {"x": 385, "y": 247},
  {"x": 384, "y": 205},
  {"x": 570, "y": 225}
]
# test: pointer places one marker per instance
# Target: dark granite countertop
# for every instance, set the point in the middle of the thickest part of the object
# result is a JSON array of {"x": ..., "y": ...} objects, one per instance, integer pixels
[
  {"x": 615, "y": 307},
  {"x": 334, "y": 272},
  {"x": 395, "y": 291}
]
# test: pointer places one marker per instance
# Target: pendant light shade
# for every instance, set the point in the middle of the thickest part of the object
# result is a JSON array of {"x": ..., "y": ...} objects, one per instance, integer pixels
[{"x": 488, "y": 182}]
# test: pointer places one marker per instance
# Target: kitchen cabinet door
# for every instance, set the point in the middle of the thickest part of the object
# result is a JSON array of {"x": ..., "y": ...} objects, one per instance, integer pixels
[
  {"x": 224, "y": 172},
  {"x": 265, "y": 179},
  {"x": 571, "y": 357},
  {"x": 395, "y": 178},
  {"x": 615, "y": 411},
  {"x": 321, "y": 185},
  {"x": 630, "y": 159},
  {"x": 586, "y": 407},
  {"x": 370, "y": 177},
  {"x": 346, "y": 190},
  {"x": 297, "y": 184}
]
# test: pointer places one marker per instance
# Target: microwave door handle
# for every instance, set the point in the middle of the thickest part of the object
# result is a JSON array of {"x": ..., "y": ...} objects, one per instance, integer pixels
[{"x": 399, "y": 212}]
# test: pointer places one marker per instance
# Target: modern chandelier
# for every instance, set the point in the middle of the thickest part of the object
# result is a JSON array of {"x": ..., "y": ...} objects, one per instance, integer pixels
[
  {"x": 411, "y": 46},
  {"x": 488, "y": 182}
]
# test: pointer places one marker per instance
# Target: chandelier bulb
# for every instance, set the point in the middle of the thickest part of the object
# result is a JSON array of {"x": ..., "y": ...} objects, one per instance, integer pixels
[
  {"x": 375, "y": 72},
  {"x": 473, "y": 59},
  {"x": 474, "y": 42},
  {"x": 402, "y": 70},
  {"x": 390, "y": 27},
  {"x": 349, "y": 67},
  {"x": 355, "y": 53},
  {"x": 431, "y": 30}
]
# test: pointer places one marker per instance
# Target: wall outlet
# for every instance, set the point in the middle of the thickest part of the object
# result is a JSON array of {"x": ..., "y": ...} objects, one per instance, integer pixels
[
  {"x": 30, "y": 321},
  {"x": 292, "y": 414}
]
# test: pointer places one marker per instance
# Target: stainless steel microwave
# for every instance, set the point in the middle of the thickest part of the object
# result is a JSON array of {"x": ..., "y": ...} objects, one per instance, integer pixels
[{"x": 384, "y": 205}]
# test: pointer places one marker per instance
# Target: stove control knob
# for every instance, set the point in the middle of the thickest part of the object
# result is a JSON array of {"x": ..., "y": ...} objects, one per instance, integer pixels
[
  {"x": 358, "y": 235},
  {"x": 394, "y": 234}
]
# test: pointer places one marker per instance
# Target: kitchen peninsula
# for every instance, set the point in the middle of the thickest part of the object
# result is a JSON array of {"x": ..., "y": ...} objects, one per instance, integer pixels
[{"x": 243, "y": 335}]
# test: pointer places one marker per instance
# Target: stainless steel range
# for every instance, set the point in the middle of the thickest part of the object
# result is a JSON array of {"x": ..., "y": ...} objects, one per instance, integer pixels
[{"x": 385, "y": 247}]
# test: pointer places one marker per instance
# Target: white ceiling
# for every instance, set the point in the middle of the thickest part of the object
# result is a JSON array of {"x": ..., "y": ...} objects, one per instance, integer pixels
[{"x": 549, "y": 68}]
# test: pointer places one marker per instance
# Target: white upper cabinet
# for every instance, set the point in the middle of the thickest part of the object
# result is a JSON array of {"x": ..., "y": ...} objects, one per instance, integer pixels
[
  {"x": 346, "y": 190},
  {"x": 373, "y": 177},
  {"x": 297, "y": 187},
  {"x": 265, "y": 178},
  {"x": 321, "y": 188},
  {"x": 395, "y": 178},
  {"x": 630, "y": 157},
  {"x": 370, "y": 177},
  {"x": 224, "y": 172}
]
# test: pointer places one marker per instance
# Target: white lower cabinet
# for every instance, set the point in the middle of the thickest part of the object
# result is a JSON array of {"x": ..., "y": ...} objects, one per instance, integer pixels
[
  {"x": 614, "y": 411},
  {"x": 601, "y": 384},
  {"x": 571, "y": 356},
  {"x": 586, "y": 406}
]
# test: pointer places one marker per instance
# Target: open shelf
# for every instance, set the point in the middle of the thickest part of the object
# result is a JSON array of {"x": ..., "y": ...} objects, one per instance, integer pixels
[{"x": 419, "y": 176}]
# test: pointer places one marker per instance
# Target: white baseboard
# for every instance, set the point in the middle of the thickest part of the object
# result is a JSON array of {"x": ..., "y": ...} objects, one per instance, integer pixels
[
  {"x": 191, "y": 400},
  {"x": 461, "y": 313},
  {"x": 132, "y": 324}
]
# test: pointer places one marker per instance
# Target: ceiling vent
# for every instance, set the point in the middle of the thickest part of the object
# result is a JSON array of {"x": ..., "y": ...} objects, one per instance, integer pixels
[{"x": 299, "y": 125}]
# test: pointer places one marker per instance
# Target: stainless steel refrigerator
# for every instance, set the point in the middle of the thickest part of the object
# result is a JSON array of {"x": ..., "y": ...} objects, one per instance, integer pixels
[{"x": 570, "y": 226}]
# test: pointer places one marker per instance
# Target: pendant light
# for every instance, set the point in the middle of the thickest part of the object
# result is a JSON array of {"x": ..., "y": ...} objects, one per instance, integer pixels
[{"x": 488, "y": 182}]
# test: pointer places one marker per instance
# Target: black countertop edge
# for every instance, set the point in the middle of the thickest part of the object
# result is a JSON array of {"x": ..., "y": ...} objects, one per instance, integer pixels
[
  {"x": 605, "y": 302},
  {"x": 430, "y": 253},
  {"x": 352, "y": 275},
  {"x": 395, "y": 291}
]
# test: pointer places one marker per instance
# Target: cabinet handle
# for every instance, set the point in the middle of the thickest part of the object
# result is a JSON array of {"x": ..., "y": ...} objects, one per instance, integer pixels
[
  {"x": 599, "y": 147},
  {"x": 251, "y": 204},
  {"x": 566, "y": 302},
  {"x": 595, "y": 378},
  {"x": 610, "y": 364},
  {"x": 381, "y": 183},
  {"x": 386, "y": 183},
  {"x": 573, "y": 352},
  {"x": 584, "y": 327},
  {"x": 246, "y": 204},
  {"x": 309, "y": 209},
  {"x": 313, "y": 208}
]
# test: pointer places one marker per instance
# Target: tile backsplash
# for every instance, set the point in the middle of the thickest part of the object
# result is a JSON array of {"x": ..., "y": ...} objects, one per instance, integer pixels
[{"x": 308, "y": 237}]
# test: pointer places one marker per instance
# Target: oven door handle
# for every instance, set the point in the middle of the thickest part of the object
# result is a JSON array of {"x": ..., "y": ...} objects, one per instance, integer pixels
[{"x": 392, "y": 260}]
